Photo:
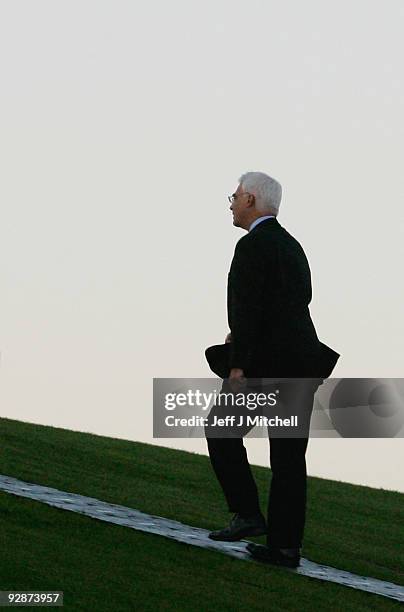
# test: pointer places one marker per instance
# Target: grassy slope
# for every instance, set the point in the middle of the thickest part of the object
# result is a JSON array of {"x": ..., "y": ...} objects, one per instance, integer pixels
[{"x": 103, "y": 567}]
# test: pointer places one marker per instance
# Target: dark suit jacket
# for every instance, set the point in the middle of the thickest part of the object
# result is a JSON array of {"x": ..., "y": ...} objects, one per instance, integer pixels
[{"x": 268, "y": 296}]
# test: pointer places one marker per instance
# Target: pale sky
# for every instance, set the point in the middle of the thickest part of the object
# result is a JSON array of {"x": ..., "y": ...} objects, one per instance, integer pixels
[{"x": 124, "y": 125}]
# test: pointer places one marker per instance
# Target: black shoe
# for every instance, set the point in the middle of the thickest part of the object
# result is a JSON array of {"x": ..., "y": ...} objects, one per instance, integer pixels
[
  {"x": 285, "y": 557},
  {"x": 240, "y": 528}
]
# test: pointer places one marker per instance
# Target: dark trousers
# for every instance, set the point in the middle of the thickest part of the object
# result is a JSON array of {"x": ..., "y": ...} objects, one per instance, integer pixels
[{"x": 287, "y": 493}]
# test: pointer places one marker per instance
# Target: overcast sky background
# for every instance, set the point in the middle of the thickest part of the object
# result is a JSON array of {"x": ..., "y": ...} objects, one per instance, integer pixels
[{"x": 124, "y": 125}]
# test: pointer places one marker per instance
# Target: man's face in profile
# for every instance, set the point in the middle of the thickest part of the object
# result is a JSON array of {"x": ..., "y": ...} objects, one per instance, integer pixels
[{"x": 240, "y": 206}]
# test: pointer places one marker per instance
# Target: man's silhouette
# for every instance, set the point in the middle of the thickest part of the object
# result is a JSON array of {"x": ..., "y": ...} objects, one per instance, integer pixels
[{"x": 271, "y": 335}]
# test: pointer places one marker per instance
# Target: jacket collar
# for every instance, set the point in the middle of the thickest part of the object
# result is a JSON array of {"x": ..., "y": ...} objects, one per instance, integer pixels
[{"x": 266, "y": 222}]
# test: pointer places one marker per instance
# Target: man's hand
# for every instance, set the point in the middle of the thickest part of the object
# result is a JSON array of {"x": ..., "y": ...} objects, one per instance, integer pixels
[
  {"x": 228, "y": 338},
  {"x": 237, "y": 380}
]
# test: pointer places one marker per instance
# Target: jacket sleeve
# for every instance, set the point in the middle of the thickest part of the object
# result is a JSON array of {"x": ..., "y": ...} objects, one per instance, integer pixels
[{"x": 246, "y": 290}]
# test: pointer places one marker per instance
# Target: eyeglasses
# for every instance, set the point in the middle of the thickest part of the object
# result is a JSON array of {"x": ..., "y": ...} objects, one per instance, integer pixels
[{"x": 234, "y": 196}]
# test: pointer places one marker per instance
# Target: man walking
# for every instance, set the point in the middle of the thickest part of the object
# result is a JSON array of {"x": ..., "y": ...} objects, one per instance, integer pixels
[{"x": 271, "y": 335}]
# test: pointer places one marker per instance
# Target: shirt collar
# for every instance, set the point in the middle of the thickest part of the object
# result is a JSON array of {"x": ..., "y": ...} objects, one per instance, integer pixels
[{"x": 258, "y": 220}]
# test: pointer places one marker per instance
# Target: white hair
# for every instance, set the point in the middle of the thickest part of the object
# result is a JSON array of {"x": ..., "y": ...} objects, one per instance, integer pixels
[{"x": 267, "y": 191}]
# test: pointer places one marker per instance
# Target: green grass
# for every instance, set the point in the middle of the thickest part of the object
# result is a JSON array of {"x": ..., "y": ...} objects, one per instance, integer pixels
[{"x": 101, "y": 566}]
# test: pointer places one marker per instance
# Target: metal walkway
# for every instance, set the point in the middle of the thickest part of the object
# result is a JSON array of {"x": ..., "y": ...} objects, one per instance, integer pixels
[{"x": 128, "y": 517}]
